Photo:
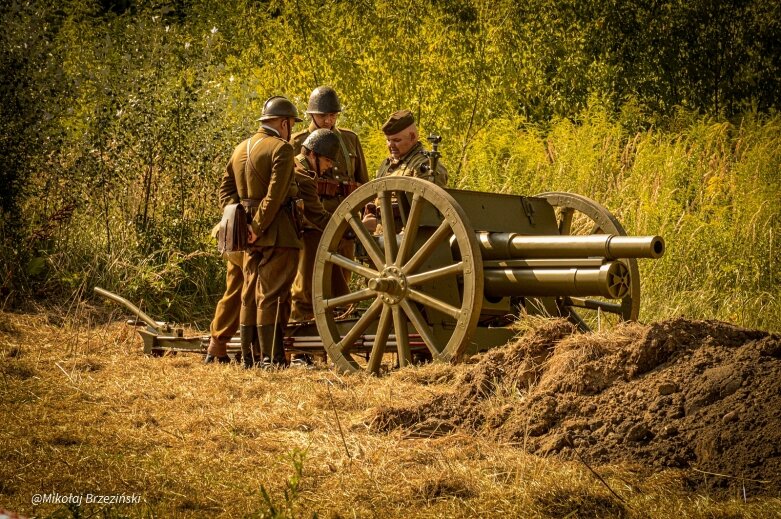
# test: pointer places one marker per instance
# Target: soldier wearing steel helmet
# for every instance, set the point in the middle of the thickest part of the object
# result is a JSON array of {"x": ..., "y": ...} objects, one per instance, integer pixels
[
  {"x": 318, "y": 153},
  {"x": 348, "y": 172},
  {"x": 260, "y": 175}
]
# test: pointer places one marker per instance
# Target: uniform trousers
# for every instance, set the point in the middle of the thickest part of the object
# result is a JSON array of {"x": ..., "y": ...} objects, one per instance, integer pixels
[
  {"x": 302, "y": 286},
  {"x": 227, "y": 312},
  {"x": 268, "y": 277}
]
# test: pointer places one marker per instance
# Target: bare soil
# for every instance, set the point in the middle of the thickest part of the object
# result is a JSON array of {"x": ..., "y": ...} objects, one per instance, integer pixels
[{"x": 704, "y": 396}]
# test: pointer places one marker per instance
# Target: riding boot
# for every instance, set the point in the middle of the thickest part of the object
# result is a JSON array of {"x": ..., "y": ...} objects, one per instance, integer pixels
[
  {"x": 278, "y": 358},
  {"x": 247, "y": 333},
  {"x": 266, "y": 339},
  {"x": 256, "y": 350}
]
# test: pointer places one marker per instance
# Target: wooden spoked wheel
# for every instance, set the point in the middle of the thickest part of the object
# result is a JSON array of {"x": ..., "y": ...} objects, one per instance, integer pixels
[
  {"x": 580, "y": 215},
  {"x": 425, "y": 285}
]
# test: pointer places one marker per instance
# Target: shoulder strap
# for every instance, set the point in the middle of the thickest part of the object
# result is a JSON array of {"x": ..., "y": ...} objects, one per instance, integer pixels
[{"x": 248, "y": 162}]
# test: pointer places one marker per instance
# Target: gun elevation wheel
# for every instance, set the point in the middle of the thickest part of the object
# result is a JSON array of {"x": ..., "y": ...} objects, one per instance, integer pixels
[
  {"x": 580, "y": 215},
  {"x": 415, "y": 290}
]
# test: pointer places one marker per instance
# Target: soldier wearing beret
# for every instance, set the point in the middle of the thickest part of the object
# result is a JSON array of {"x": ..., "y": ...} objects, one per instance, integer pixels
[
  {"x": 260, "y": 175},
  {"x": 406, "y": 151},
  {"x": 334, "y": 183}
]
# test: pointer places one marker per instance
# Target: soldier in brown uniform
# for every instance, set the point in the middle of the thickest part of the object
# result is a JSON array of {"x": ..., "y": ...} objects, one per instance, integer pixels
[
  {"x": 260, "y": 175},
  {"x": 318, "y": 153},
  {"x": 348, "y": 172},
  {"x": 407, "y": 157}
]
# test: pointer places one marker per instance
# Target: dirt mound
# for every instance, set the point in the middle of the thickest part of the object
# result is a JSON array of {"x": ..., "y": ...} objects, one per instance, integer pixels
[{"x": 703, "y": 395}]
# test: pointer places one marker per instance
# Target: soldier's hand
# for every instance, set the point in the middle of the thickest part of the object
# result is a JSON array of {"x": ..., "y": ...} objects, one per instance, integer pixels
[
  {"x": 370, "y": 222},
  {"x": 252, "y": 236}
]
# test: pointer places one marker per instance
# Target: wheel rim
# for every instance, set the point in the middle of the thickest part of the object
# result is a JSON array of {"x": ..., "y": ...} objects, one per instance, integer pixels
[
  {"x": 428, "y": 282},
  {"x": 578, "y": 215}
]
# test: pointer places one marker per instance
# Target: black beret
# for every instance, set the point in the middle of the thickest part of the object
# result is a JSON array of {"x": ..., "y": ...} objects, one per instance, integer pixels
[{"x": 398, "y": 121}]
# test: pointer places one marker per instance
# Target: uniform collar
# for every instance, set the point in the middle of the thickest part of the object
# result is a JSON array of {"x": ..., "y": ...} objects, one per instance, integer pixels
[
  {"x": 415, "y": 149},
  {"x": 313, "y": 127},
  {"x": 269, "y": 130}
]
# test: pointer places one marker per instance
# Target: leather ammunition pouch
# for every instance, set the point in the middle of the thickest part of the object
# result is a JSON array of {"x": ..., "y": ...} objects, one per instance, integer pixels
[
  {"x": 348, "y": 187},
  {"x": 328, "y": 187},
  {"x": 232, "y": 232}
]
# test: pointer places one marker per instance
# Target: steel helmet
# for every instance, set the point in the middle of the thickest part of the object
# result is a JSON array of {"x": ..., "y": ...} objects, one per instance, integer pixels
[
  {"x": 323, "y": 100},
  {"x": 278, "y": 106},
  {"x": 324, "y": 143}
]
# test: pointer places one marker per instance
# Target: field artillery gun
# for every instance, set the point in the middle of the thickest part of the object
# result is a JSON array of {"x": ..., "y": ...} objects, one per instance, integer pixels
[{"x": 461, "y": 267}]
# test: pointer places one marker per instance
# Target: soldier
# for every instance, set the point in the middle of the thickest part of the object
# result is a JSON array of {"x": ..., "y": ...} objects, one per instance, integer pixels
[
  {"x": 318, "y": 153},
  {"x": 407, "y": 158},
  {"x": 348, "y": 172},
  {"x": 260, "y": 174},
  {"x": 406, "y": 151}
]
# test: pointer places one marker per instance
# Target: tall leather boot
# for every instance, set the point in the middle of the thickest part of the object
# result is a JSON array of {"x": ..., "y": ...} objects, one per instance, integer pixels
[
  {"x": 266, "y": 339},
  {"x": 278, "y": 358},
  {"x": 247, "y": 333},
  {"x": 257, "y": 352}
]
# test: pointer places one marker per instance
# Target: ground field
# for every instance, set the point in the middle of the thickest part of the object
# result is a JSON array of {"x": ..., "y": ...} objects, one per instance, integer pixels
[{"x": 677, "y": 419}]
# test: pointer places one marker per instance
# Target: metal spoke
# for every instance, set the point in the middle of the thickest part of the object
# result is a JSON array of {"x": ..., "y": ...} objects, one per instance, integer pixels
[
  {"x": 401, "y": 199},
  {"x": 360, "y": 326},
  {"x": 352, "y": 266},
  {"x": 420, "y": 325},
  {"x": 565, "y": 225},
  {"x": 442, "y": 232},
  {"x": 380, "y": 340},
  {"x": 348, "y": 299},
  {"x": 402, "y": 337},
  {"x": 436, "y": 304},
  {"x": 430, "y": 275},
  {"x": 367, "y": 241},
  {"x": 388, "y": 227},
  {"x": 410, "y": 230}
]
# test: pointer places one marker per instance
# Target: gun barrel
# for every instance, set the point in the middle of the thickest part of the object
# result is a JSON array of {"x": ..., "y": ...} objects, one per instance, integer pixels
[
  {"x": 501, "y": 246},
  {"x": 611, "y": 280}
]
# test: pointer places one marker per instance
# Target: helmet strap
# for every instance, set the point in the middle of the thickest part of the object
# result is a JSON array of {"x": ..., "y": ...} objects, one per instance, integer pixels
[{"x": 317, "y": 163}]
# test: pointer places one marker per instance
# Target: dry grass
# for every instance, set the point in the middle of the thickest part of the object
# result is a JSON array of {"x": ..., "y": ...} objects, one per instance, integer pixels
[{"x": 84, "y": 411}]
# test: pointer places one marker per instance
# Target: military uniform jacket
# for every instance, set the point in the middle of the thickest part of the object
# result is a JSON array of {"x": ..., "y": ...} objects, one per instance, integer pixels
[
  {"x": 409, "y": 166},
  {"x": 315, "y": 214},
  {"x": 269, "y": 181},
  {"x": 350, "y": 163}
]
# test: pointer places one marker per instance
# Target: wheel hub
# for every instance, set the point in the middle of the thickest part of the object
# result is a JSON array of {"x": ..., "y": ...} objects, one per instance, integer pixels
[{"x": 391, "y": 284}]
